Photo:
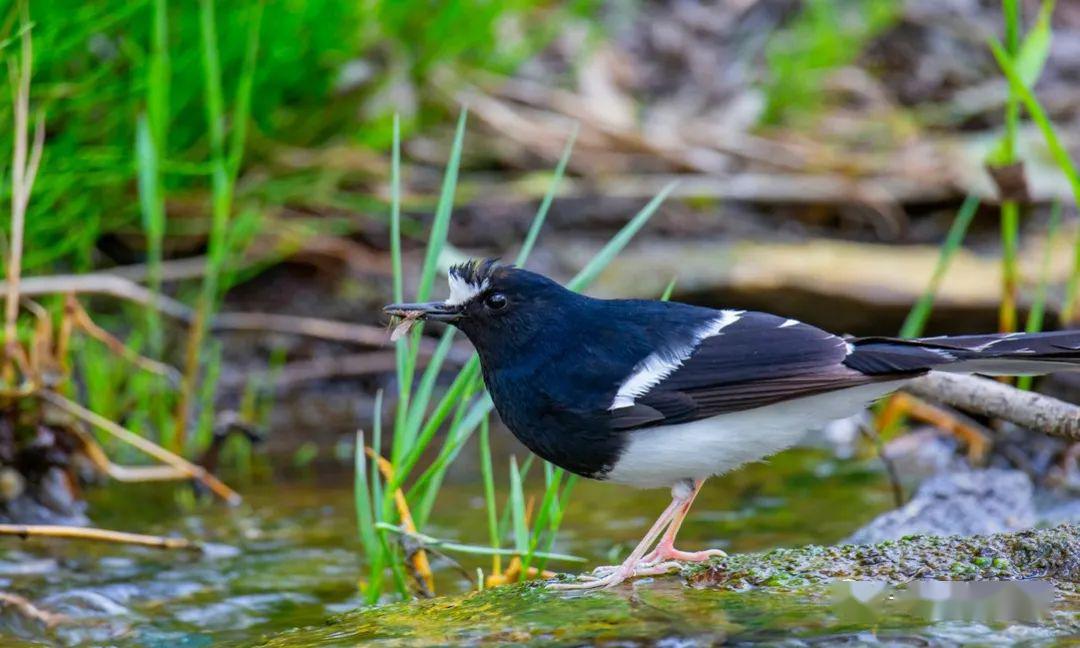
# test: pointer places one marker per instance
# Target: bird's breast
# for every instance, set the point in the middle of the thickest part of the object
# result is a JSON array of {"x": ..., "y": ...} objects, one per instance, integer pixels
[{"x": 573, "y": 436}]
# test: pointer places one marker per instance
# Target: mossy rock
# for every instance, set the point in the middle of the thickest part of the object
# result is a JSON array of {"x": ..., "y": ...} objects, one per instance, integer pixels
[
  {"x": 759, "y": 596},
  {"x": 1037, "y": 553}
]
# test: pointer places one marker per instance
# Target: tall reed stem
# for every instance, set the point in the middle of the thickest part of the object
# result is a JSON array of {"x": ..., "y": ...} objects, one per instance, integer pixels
[
  {"x": 1010, "y": 210},
  {"x": 25, "y": 160}
]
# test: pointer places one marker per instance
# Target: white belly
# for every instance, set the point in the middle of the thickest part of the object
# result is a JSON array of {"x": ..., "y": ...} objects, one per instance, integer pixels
[{"x": 662, "y": 456}]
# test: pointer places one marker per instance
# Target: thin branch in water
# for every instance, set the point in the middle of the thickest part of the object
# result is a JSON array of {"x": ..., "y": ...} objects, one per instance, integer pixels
[
  {"x": 976, "y": 437},
  {"x": 26, "y": 531},
  {"x": 149, "y": 447},
  {"x": 870, "y": 432},
  {"x": 446, "y": 545},
  {"x": 25, "y": 607},
  {"x": 101, "y": 461}
]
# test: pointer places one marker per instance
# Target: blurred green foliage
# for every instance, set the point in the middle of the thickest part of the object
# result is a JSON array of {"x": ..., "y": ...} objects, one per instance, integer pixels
[
  {"x": 825, "y": 36},
  {"x": 325, "y": 69}
]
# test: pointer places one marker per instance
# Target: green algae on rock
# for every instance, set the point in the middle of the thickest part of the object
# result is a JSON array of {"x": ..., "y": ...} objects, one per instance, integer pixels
[
  {"x": 1038, "y": 553},
  {"x": 755, "y": 596}
]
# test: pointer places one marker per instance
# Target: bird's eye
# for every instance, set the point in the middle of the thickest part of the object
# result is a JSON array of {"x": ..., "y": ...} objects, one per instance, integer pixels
[{"x": 496, "y": 301}]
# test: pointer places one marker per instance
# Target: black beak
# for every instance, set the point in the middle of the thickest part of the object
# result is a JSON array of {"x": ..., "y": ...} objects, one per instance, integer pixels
[{"x": 433, "y": 311}]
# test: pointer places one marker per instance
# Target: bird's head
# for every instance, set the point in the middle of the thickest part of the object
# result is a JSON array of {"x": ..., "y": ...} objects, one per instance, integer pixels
[{"x": 499, "y": 307}]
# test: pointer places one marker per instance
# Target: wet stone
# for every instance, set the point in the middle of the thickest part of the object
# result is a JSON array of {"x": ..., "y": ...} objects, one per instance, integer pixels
[{"x": 966, "y": 503}]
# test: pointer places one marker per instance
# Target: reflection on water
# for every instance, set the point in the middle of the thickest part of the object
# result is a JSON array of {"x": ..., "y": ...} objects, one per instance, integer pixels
[
  {"x": 868, "y": 602},
  {"x": 289, "y": 557}
]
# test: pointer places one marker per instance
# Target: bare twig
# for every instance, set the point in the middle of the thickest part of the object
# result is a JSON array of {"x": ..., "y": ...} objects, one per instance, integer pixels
[
  {"x": 332, "y": 366},
  {"x": 83, "y": 320},
  {"x": 25, "y": 531},
  {"x": 154, "y": 450},
  {"x": 102, "y": 462},
  {"x": 301, "y": 371},
  {"x": 102, "y": 283},
  {"x": 27, "y": 608},
  {"x": 308, "y": 326},
  {"x": 976, "y": 437},
  {"x": 870, "y": 432},
  {"x": 127, "y": 289},
  {"x": 991, "y": 398}
]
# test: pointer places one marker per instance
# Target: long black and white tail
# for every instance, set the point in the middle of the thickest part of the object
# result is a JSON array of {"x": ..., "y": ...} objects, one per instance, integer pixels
[{"x": 1004, "y": 354}]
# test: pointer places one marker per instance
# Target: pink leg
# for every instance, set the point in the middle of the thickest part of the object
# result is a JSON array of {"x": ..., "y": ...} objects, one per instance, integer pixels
[
  {"x": 632, "y": 565},
  {"x": 665, "y": 551}
]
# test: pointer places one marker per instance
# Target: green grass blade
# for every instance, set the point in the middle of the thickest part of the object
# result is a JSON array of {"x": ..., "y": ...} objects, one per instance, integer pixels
[
  {"x": 152, "y": 208},
  {"x": 491, "y": 507},
  {"x": 426, "y": 488},
  {"x": 376, "y": 447},
  {"x": 211, "y": 63},
  {"x": 441, "y": 223},
  {"x": 404, "y": 359},
  {"x": 382, "y": 554},
  {"x": 550, "y": 501},
  {"x": 557, "y": 517},
  {"x": 151, "y": 140},
  {"x": 159, "y": 77},
  {"x": 1004, "y": 156},
  {"x": 545, "y": 204},
  {"x": 365, "y": 518},
  {"x": 517, "y": 509},
  {"x": 242, "y": 108},
  {"x": 221, "y": 209},
  {"x": 1035, "y": 48},
  {"x": 1057, "y": 151},
  {"x": 435, "y": 420},
  {"x": 668, "y": 290},
  {"x": 436, "y": 242},
  {"x": 395, "y": 211},
  {"x": 506, "y": 519},
  {"x": 593, "y": 268},
  {"x": 915, "y": 322},
  {"x": 1011, "y": 11},
  {"x": 1037, "y": 314},
  {"x": 421, "y": 397}
]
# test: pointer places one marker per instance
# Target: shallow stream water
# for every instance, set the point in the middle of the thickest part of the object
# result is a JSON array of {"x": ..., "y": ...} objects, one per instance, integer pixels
[{"x": 288, "y": 558}]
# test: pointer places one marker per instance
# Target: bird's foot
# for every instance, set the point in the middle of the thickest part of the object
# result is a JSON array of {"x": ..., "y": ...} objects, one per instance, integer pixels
[
  {"x": 612, "y": 575},
  {"x": 669, "y": 553}
]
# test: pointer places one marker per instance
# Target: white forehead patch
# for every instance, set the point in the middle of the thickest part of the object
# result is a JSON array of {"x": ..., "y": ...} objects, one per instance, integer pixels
[{"x": 461, "y": 291}]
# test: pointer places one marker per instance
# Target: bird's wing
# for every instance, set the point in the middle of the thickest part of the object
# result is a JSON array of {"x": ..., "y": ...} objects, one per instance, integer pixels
[{"x": 755, "y": 360}]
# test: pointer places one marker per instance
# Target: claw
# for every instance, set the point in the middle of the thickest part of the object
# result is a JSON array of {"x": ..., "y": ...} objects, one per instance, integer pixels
[
  {"x": 617, "y": 577},
  {"x": 662, "y": 554},
  {"x": 661, "y": 560}
]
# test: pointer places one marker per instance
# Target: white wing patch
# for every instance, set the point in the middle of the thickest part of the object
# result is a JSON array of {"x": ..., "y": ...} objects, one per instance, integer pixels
[
  {"x": 461, "y": 291},
  {"x": 661, "y": 364},
  {"x": 789, "y": 322}
]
